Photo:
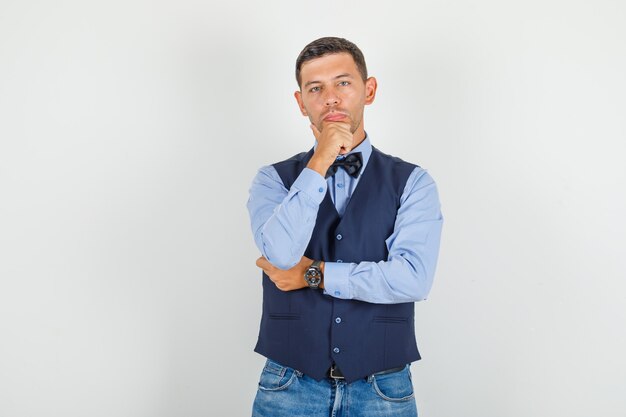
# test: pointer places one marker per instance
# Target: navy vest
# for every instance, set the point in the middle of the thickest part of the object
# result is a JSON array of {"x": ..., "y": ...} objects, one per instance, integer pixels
[{"x": 307, "y": 330}]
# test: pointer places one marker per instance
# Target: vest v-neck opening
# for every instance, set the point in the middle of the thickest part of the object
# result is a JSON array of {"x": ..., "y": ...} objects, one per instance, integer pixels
[{"x": 356, "y": 193}]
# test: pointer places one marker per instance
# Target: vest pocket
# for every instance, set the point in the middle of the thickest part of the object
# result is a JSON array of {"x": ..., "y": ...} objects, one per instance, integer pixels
[
  {"x": 389, "y": 319},
  {"x": 284, "y": 316}
]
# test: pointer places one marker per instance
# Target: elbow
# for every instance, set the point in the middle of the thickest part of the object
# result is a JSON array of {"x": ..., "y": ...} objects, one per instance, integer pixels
[
  {"x": 418, "y": 292},
  {"x": 280, "y": 259},
  {"x": 284, "y": 264},
  {"x": 421, "y": 295},
  {"x": 421, "y": 281}
]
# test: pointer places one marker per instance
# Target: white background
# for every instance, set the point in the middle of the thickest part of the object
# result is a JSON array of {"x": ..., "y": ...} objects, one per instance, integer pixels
[{"x": 130, "y": 132}]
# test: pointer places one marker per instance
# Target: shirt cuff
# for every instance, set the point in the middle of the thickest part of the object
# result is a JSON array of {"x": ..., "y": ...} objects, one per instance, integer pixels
[
  {"x": 312, "y": 184},
  {"x": 336, "y": 282}
]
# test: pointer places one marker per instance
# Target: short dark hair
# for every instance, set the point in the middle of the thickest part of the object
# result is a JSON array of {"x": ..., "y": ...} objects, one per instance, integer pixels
[{"x": 331, "y": 45}]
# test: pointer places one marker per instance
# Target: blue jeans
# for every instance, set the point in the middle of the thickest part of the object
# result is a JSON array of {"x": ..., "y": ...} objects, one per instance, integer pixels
[{"x": 285, "y": 392}]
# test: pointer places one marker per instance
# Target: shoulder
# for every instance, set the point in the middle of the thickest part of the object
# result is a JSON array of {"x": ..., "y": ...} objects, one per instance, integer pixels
[
  {"x": 290, "y": 168},
  {"x": 395, "y": 163},
  {"x": 292, "y": 161}
]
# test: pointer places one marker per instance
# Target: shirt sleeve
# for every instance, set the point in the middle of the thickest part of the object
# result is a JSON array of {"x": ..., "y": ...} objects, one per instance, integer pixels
[
  {"x": 282, "y": 220},
  {"x": 407, "y": 274}
]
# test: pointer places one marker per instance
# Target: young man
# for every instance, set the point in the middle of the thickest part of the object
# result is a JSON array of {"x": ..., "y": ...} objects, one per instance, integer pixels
[{"x": 350, "y": 238}]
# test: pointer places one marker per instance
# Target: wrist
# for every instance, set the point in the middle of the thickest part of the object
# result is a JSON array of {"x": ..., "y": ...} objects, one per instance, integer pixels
[
  {"x": 314, "y": 275},
  {"x": 318, "y": 166}
]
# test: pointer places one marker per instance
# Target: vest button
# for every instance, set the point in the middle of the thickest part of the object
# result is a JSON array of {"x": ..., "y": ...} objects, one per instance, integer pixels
[
  {"x": 339, "y": 237},
  {"x": 338, "y": 320},
  {"x": 336, "y": 350}
]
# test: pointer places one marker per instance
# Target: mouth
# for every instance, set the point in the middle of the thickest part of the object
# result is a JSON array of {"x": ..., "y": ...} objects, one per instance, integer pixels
[{"x": 335, "y": 116}]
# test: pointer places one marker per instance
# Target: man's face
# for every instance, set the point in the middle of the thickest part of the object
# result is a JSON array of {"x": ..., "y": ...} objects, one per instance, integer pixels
[{"x": 332, "y": 90}]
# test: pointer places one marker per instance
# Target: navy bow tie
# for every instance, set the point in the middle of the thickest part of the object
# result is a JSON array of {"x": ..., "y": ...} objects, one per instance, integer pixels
[{"x": 351, "y": 163}]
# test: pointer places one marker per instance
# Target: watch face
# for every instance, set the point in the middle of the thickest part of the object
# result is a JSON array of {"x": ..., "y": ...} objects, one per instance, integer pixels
[{"x": 313, "y": 277}]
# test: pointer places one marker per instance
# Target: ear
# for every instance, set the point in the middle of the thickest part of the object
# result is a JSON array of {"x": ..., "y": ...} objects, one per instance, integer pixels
[
  {"x": 370, "y": 90},
  {"x": 298, "y": 96}
]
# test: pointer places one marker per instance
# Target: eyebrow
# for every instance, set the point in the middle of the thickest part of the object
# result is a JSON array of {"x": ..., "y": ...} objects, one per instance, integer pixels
[{"x": 338, "y": 76}]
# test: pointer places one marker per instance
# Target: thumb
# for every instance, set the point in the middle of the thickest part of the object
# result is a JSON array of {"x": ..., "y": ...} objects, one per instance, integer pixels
[{"x": 316, "y": 132}]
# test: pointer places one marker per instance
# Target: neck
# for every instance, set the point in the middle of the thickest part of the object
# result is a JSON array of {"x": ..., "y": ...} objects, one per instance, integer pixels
[{"x": 358, "y": 136}]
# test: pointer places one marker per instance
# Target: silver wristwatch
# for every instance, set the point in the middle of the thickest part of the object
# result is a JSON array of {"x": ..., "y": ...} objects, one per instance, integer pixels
[{"x": 313, "y": 275}]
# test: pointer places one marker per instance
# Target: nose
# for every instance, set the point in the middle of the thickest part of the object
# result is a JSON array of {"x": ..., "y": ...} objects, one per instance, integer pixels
[{"x": 331, "y": 98}]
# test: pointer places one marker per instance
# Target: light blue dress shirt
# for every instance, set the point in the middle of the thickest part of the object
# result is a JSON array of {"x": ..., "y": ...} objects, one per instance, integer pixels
[{"x": 283, "y": 220}]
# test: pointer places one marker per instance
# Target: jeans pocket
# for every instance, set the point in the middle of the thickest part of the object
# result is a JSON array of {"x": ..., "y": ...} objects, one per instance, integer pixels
[
  {"x": 276, "y": 377},
  {"x": 395, "y": 387}
]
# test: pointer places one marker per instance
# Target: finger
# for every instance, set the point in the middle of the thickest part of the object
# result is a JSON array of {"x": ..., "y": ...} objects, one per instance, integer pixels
[
  {"x": 262, "y": 263},
  {"x": 348, "y": 140},
  {"x": 343, "y": 125},
  {"x": 339, "y": 126},
  {"x": 316, "y": 132}
]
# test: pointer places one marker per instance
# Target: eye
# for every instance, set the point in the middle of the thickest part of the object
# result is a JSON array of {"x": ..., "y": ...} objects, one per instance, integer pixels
[
  {"x": 314, "y": 90},
  {"x": 344, "y": 83}
]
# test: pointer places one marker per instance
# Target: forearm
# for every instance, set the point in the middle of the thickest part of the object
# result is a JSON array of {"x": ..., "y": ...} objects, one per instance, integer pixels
[
  {"x": 283, "y": 220},
  {"x": 406, "y": 275}
]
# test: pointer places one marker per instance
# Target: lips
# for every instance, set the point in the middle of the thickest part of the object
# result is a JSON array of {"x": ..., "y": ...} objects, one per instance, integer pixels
[{"x": 335, "y": 117}]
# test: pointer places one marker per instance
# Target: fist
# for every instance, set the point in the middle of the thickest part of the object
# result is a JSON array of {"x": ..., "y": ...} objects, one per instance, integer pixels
[
  {"x": 286, "y": 280},
  {"x": 336, "y": 138}
]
